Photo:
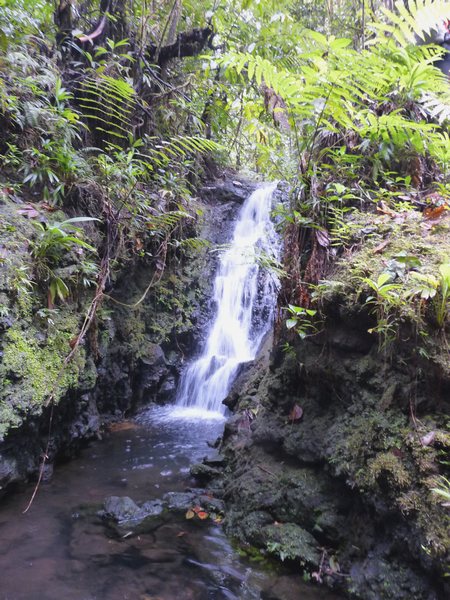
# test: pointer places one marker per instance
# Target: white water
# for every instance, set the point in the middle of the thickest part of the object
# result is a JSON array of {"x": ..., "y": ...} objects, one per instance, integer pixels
[{"x": 245, "y": 297}]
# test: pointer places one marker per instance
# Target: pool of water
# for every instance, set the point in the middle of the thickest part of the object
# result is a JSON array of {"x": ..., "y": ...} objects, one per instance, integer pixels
[{"x": 61, "y": 550}]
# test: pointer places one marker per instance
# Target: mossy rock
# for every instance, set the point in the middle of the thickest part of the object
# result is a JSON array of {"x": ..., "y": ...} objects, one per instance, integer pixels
[{"x": 289, "y": 541}]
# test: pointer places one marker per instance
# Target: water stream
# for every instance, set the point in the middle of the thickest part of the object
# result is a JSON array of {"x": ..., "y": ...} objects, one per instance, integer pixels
[
  {"x": 240, "y": 291},
  {"x": 62, "y": 550}
]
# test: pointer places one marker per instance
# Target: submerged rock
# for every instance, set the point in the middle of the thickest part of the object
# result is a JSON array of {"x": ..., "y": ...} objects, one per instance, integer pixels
[{"x": 288, "y": 587}]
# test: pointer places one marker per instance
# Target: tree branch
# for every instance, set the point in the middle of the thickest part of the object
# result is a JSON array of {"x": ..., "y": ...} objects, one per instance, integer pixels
[{"x": 187, "y": 43}]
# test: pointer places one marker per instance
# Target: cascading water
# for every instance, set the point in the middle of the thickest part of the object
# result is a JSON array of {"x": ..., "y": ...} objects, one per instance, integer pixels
[{"x": 245, "y": 298}]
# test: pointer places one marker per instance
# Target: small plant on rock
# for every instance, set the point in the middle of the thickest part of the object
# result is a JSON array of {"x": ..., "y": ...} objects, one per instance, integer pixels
[
  {"x": 441, "y": 302},
  {"x": 300, "y": 319},
  {"x": 384, "y": 301},
  {"x": 52, "y": 243}
]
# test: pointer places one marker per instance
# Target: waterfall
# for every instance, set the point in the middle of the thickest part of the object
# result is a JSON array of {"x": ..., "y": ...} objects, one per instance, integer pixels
[{"x": 245, "y": 297}]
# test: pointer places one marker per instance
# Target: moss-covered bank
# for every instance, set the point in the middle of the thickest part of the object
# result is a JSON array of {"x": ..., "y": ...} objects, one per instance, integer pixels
[{"x": 338, "y": 440}]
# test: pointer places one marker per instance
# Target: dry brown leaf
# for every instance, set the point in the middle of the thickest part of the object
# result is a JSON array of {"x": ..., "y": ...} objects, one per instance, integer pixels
[
  {"x": 385, "y": 210},
  {"x": 381, "y": 246},
  {"x": 48, "y": 207},
  {"x": 28, "y": 211},
  {"x": 434, "y": 212}
]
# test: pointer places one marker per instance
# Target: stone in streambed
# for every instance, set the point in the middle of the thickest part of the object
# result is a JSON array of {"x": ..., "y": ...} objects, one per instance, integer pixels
[
  {"x": 160, "y": 555},
  {"x": 123, "y": 509},
  {"x": 288, "y": 587},
  {"x": 180, "y": 501}
]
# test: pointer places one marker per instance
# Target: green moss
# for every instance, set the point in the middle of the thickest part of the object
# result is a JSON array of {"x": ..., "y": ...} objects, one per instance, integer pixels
[
  {"x": 289, "y": 541},
  {"x": 356, "y": 439},
  {"x": 33, "y": 369},
  {"x": 388, "y": 467}
]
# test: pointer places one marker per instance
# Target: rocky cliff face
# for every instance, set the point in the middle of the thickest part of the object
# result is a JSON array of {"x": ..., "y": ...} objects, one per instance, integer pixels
[
  {"x": 130, "y": 356},
  {"x": 327, "y": 470}
]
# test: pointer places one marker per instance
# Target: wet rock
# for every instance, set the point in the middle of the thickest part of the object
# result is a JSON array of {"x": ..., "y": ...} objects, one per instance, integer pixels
[
  {"x": 203, "y": 472},
  {"x": 288, "y": 587},
  {"x": 228, "y": 190},
  {"x": 376, "y": 578},
  {"x": 249, "y": 525},
  {"x": 152, "y": 508},
  {"x": 9, "y": 470},
  {"x": 180, "y": 501},
  {"x": 160, "y": 555},
  {"x": 231, "y": 400},
  {"x": 121, "y": 508},
  {"x": 211, "y": 504},
  {"x": 151, "y": 372},
  {"x": 348, "y": 340},
  {"x": 215, "y": 461},
  {"x": 47, "y": 472},
  {"x": 168, "y": 388}
]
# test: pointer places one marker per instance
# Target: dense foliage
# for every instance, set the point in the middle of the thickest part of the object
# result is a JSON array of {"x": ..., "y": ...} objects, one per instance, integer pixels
[{"x": 113, "y": 112}]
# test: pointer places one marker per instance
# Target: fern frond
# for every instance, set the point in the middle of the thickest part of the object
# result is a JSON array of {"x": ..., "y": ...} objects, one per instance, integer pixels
[
  {"x": 108, "y": 103},
  {"x": 160, "y": 153},
  {"x": 435, "y": 108},
  {"x": 163, "y": 223},
  {"x": 196, "y": 243},
  {"x": 419, "y": 21}
]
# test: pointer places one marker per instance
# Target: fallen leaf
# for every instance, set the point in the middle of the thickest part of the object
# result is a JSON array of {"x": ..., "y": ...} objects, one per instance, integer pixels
[
  {"x": 434, "y": 212},
  {"x": 218, "y": 519},
  {"x": 385, "y": 210},
  {"x": 296, "y": 413},
  {"x": 28, "y": 211},
  {"x": 190, "y": 514},
  {"x": 428, "y": 439},
  {"x": 197, "y": 509},
  {"x": 181, "y": 533},
  {"x": 48, "y": 207},
  {"x": 202, "y": 515},
  {"x": 381, "y": 246}
]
